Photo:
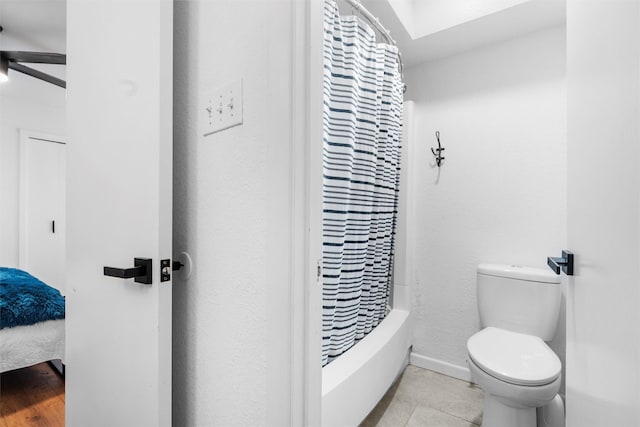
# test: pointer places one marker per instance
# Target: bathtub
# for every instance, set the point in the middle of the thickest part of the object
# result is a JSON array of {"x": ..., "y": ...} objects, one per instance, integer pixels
[{"x": 354, "y": 383}]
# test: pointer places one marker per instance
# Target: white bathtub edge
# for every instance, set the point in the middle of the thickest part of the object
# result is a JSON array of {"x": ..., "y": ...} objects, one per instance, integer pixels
[
  {"x": 354, "y": 383},
  {"x": 440, "y": 366}
]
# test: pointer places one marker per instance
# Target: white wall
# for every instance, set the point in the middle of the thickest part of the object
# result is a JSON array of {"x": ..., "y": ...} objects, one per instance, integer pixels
[
  {"x": 234, "y": 212},
  {"x": 500, "y": 195},
  {"x": 43, "y": 111}
]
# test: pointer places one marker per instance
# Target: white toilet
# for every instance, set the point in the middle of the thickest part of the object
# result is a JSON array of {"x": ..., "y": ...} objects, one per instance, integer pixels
[{"x": 509, "y": 359}]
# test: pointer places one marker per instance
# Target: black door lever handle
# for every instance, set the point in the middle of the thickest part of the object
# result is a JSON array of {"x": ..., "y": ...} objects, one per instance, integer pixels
[
  {"x": 125, "y": 273},
  {"x": 141, "y": 273},
  {"x": 563, "y": 263}
]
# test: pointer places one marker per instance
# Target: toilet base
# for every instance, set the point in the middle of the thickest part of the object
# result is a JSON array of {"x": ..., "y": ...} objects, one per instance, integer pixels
[{"x": 497, "y": 414}]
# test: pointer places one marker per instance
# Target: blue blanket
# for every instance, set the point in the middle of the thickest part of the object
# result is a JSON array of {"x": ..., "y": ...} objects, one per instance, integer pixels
[{"x": 25, "y": 300}]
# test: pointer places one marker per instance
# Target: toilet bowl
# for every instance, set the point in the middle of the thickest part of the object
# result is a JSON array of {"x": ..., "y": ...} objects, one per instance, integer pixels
[
  {"x": 518, "y": 373},
  {"x": 509, "y": 358}
]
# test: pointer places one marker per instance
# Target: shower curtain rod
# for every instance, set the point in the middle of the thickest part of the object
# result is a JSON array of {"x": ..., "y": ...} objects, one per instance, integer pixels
[{"x": 376, "y": 23}]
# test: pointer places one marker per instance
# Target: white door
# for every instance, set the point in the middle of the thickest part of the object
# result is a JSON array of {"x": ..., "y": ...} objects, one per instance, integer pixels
[
  {"x": 119, "y": 202},
  {"x": 603, "y": 301},
  {"x": 42, "y": 207}
]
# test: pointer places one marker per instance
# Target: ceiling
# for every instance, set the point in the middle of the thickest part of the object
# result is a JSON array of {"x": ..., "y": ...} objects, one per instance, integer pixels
[
  {"x": 422, "y": 18},
  {"x": 423, "y": 29},
  {"x": 429, "y": 29},
  {"x": 37, "y": 26}
]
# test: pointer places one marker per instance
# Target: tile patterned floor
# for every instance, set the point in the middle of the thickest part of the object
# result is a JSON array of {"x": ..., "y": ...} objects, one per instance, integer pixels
[{"x": 423, "y": 398}]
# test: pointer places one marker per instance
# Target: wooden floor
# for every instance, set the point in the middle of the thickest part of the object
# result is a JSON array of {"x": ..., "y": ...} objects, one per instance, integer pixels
[{"x": 32, "y": 396}]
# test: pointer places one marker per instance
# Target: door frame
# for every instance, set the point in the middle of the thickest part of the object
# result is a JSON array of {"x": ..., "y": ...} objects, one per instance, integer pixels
[{"x": 306, "y": 328}]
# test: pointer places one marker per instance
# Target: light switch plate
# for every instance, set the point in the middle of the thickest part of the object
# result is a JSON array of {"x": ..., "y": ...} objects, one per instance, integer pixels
[{"x": 222, "y": 108}]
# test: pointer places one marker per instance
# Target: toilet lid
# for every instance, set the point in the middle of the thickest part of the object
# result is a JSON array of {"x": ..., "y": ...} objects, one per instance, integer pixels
[{"x": 513, "y": 357}]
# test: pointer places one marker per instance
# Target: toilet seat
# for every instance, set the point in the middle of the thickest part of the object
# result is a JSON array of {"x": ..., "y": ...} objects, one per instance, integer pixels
[{"x": 512, "y": 357}]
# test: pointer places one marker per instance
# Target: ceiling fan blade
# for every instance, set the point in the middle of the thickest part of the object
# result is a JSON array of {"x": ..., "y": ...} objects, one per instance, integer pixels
[
  {"x": 37, "y": 74},
  {"x": 35, "y": 57}
]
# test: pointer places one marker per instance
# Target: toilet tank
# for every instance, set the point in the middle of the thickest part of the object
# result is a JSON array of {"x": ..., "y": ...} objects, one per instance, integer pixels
[{"x": 519, "y": 299}]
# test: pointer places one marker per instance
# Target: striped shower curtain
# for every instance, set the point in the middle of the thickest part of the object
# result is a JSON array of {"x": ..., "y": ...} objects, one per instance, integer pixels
[{"x": 361, "y": 168}]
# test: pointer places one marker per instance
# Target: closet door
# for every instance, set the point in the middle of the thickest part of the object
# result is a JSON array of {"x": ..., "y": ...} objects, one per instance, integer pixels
[
  {"x": 42, "y": 207},
  {"x": 119, "y": 177}
]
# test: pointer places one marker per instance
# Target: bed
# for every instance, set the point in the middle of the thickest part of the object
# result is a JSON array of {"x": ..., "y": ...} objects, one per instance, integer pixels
[{"x": 31, "y": 320}]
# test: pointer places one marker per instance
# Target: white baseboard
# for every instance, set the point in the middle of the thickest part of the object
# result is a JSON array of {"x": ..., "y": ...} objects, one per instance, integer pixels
[{"x": 445, "y": 368}]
